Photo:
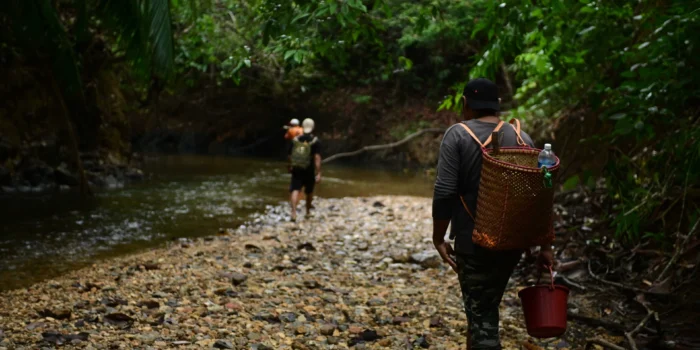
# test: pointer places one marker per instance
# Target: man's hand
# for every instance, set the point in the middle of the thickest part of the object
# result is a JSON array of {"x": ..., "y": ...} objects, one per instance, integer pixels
[
  {"x": 318, "y": 177},
  {"x": 446, "y": 253},
  {"x": 545, "y": 259}
]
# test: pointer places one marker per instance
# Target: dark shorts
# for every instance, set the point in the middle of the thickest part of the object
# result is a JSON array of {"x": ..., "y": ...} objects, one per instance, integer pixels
[
  {"x": 303, "y": 178},
  {"x": 483, "y": 277}
]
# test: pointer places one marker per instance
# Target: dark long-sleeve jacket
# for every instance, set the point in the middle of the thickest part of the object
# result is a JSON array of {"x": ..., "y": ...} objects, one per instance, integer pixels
[{"x": 459, "y": 172}]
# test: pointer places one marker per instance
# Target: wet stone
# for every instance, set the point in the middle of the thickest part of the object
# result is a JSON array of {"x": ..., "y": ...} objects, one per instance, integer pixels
[
  {"x": 238, "y": 278},
  {"x": 311, "y": 284},
  {"x": 223, "y": 344},
  {"x": 427, "y": 259},
  {"x": 267, "y": 316},
  {"x": 160, "y": 295},
  {"x": 400, "y": 319},
  {"x": 306, "y": 246},
  {"x": 288, "y": 317},
  {"x": 327, "y": 329},
  {"x": 421, "y": 342},
  {"x": 61, "y": 314},
  {"x": 301, "y": 330},
  {"x": 376, "y": 302}
]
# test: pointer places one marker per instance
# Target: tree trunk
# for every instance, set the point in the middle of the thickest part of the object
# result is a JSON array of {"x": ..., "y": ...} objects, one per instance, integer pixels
[{"x": 85, "y": 189}]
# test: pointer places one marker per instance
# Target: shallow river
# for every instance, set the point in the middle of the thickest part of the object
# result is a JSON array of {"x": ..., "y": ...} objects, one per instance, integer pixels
[{"x": 185, "y": 196}]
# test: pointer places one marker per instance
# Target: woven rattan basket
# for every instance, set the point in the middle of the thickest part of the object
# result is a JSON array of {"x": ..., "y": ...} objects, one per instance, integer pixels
[{"x": 514, "y": 205}]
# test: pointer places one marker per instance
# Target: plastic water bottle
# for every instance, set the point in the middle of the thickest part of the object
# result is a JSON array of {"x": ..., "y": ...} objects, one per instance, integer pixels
[{"x": 546, "y": 157}]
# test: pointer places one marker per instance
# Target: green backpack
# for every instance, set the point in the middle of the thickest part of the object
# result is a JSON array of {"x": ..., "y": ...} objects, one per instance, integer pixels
[{"x": 301, "y": 153}]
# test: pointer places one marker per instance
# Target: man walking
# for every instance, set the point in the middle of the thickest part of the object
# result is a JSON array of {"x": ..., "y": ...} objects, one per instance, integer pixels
[
  {"x": 483, "y": 274},
  {"x": 305, "y": 166}
]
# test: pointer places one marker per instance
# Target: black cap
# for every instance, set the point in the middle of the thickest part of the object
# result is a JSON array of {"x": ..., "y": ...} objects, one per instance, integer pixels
[{"x": 482, "y": 94}]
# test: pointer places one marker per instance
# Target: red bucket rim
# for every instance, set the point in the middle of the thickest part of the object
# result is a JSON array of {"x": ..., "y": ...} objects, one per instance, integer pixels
[{"x": 547, "y": 286}]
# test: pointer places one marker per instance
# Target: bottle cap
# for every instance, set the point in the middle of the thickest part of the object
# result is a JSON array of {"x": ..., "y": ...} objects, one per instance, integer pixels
[{"x": 548, "y": 146}]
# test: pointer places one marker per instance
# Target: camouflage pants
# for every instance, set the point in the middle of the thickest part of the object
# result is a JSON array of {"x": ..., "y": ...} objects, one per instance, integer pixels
[{"x": 483, "y": 277}]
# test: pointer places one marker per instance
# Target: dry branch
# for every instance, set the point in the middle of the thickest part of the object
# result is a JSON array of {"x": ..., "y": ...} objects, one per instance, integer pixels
[
  {"x": 595, "y": 322},
  {"x": 620, "y": 285},
  {"x": 630, "y": 335},
  {"x": 679, "y": 250},
  {"x": 388, "y": 145},
  {"x": 604, "y": 343}
]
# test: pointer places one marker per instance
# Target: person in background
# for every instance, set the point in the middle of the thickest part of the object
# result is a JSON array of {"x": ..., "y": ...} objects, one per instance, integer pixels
[
  {"x": 293, "y": 129},
  {"x": 305, "y": 166},
  {"x": 483, "y": 274}
]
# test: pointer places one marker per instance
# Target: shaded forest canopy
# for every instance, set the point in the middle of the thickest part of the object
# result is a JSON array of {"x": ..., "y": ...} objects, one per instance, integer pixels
[{"x": 613, "y": 84}]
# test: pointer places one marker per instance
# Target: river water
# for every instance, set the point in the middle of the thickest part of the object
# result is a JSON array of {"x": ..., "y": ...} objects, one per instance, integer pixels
[{"x": 184, "y": 196}]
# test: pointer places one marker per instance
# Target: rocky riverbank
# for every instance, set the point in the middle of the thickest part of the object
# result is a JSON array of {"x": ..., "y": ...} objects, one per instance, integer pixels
[
  {"x": 43, "y": 168},
  {"x": 361, "y": 272}
]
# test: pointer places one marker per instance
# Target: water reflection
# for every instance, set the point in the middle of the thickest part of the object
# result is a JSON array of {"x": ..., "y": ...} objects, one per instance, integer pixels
[{"x": 187, "y": 196}]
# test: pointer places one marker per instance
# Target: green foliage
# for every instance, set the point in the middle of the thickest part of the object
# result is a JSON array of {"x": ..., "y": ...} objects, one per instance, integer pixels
[
  {"x": 631, "y": 67},
  {"x": 362, "y": 99},
  {"x": 329, "y": 43},
  {"x": 281, "y": 41},
  {"x": 633, "y": 64},
  {"x": 143, "y": 30}
]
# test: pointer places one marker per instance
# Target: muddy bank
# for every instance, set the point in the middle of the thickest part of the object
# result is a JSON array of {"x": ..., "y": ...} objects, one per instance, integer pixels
[{"x": 361, "y": 273}]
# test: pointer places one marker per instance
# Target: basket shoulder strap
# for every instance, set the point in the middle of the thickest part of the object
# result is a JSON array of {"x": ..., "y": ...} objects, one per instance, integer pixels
[
  {"x": 471, "y": 133},
  {"x": 467, "y": 208},
  {"x": 515, "y": 123},
  {"x": 476, "y": 139}
]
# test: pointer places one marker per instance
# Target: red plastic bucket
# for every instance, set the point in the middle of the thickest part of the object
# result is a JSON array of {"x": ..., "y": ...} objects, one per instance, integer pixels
[{"x": 545, "y": 307}]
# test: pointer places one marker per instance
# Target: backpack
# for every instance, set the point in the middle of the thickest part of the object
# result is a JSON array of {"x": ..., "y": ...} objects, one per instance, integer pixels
[
  {"x": 515, "y": 201},
  {"x": 301, "y": 153}
]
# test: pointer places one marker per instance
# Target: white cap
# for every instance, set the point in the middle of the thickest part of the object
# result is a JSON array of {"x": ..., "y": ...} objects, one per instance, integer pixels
[
  {"x": 294, "y": 122},
  {"x": 548, "y": 146},
  {"x": 308, "y": 125}
]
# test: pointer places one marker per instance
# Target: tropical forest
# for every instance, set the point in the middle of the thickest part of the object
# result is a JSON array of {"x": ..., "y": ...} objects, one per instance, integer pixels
[{"x": 150, "y": 150}]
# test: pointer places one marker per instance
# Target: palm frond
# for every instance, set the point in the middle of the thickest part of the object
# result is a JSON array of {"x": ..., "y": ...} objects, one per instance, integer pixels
[
  {"x": 126, "y": 20},
  {"x": 144, "y": 29},
  {"x": 65, "y": 64},
  {"x": 161, "y": 37}
]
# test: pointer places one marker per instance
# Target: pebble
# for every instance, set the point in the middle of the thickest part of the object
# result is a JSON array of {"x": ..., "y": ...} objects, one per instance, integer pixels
[
  {"x": 223, "y": 344},
  {"x": 238, "y": 278},
  {"x": 384, "y": 290},
  {"x": 327, "y": 329},
  {"x": 399, "y": 320},
  {"x": 288, "y": 317}
]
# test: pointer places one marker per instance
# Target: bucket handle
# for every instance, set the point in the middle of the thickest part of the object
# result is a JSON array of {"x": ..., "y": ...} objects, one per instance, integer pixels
[{"x": 551, "y": 275}]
